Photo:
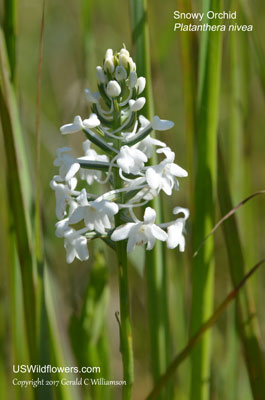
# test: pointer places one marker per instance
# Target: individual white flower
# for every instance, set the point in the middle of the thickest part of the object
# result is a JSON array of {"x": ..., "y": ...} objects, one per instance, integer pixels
[
  {"x": 113, "y": 89},
  {"x": 101, "y": 77},
  {"x": 92, "y": 97},
  {"x": 176, "y": 229},
  {"x": 74, "y": 127},
  {"x": 140, "y": 85},
  {"x": 139, "y": 233},
  {"x": 163, "y": 175},
  {"x": 68, "y": 166},
  {"x": 75, "y": 245},
  {"x": 96, "y": 214},
  {"x": 63, "y": 197},
  {"x": 91, "y": 155},
  {"x": 120, "y": 73},
  {"x": 161, "y": 124},
  {"x": 146, "y": 145},
  {"x": 136, "y": 105},
  {"x": 131, "y": 160},
  {"x": 91, "y": 122}
]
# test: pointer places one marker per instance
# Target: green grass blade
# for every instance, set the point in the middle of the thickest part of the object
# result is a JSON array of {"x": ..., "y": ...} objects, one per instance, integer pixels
[
  {"x": 205, "y": 183},
  {"x": 10, "y": 29},
  {"x": 16, "y": 190},
  {"x": 247, "y": 322},
  {"x": 155, "y": 259},
  {"x": 61, "y": 354},
  {"x": 200, "y": 333}
]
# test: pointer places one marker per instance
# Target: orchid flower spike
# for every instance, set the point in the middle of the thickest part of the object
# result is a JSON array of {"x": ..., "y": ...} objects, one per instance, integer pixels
[{"x": 117, "y": 151}]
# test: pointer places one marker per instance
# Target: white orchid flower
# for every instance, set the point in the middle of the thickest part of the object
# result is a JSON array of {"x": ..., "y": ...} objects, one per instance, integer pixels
[
  {"x": 163, "y": 176},
  {"x": 140, "y": 233},
  {"x": 75, "y": 245},
  {"x": 131, "y": 160},
  {"x": 96, "y": 214},
  {"x": 68, "y": 166},
  {"x": 176, "y": 229}
]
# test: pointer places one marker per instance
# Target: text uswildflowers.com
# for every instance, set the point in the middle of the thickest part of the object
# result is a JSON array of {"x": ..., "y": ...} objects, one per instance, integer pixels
[{"x": 36, "y": 368}]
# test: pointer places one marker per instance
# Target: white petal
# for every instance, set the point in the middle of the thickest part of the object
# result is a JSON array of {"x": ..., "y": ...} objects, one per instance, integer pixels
[
  {"x": 185, "y": 211},
  {"x": 62, "y": 227},
  {"x": 178, "y": 171},
  {"x": 81, "y": 248},
  {"x": 149, "y": 215},
  {"x": 91, "y": 122},
  {"x": 131, "y": 243},
  {"x": 161, "y": 124},
  {"x": 72, "y": 171},
  {"x": 166, "y": 187},
  {"x": 153, "y": 178},
  {"x": 158, "y": 233},
  {"x": 150, "y": 243},
  {"x": 143, "y": 121},
  {"x": 136, "y": 105},
  {"x": 77, "y": 215},
  {"x": 122, "y": 232}
]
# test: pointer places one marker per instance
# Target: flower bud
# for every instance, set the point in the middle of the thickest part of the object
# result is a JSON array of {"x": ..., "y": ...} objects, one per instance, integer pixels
[
  {"x": 101, "y": 77},
  {"x": 125, "y": 52},
  {"x": 140, "y": 85},
  {"x": 109, "y": 65},
  {"x": 113, "y": 89},
  {"x": 124, "y": 59},
  {"x": 109, "y": 54},
  {"x": 137, "y": 105},
  {"x": 120, "y": 73}
]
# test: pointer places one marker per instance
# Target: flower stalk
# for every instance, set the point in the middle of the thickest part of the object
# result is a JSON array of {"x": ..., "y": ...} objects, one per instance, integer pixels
[{"x": 122, "y": 134}]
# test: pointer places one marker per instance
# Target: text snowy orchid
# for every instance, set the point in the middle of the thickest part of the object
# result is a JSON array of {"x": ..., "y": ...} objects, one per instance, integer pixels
[{"x": 123, "y": 136}]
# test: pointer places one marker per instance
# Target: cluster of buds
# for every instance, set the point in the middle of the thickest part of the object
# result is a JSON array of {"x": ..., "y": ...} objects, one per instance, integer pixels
[{"x": 122, "y": 135}]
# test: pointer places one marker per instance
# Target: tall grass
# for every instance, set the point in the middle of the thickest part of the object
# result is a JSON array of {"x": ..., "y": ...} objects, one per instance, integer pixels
[{"x": 204, "y": 200}]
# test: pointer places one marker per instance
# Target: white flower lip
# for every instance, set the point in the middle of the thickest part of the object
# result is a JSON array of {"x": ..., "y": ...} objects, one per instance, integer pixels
[
  {"x": 137, "y": 105},
  {"x": 75, "y": 126},
  {"x": 91, "y": 122},
  {"x": 92, "y": 97},
  {"x": 161, "y": 124},
  {"x": 113, "y": 89}
]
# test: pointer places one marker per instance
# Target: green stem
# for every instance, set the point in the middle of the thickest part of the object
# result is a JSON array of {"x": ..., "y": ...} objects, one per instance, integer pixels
[{"x": 126, "y": 347}]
